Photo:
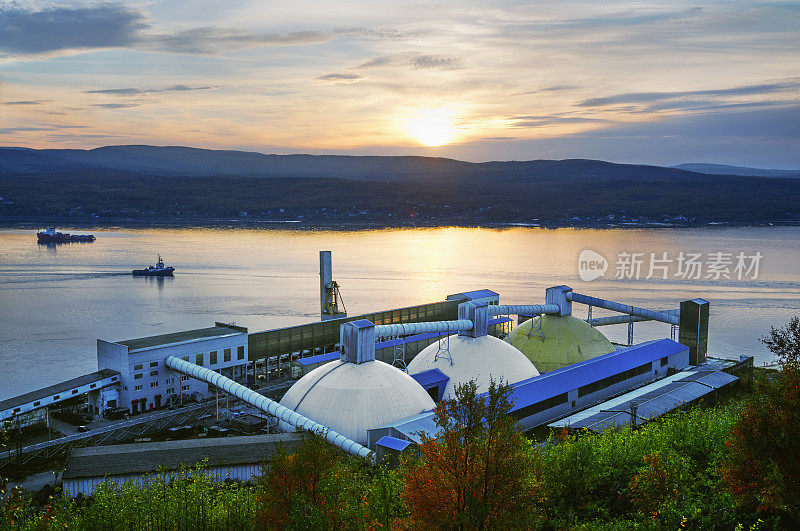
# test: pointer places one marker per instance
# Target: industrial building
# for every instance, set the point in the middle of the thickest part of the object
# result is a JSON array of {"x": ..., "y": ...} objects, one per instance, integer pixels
[
  {"x": 237, "y": 458},
  {"x": 369, "y": 383},
  {"x": 146, "y": 383}
]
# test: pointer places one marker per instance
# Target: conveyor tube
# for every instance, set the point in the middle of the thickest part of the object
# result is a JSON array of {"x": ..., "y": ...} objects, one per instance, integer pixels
[
  {"x": 622, "y": 319},
  {"x": 623, "y": 308},
  {"x": 407, "y": 329},
  {"x": 522, "y": 309},
  {"x": 269, "y": 406}
]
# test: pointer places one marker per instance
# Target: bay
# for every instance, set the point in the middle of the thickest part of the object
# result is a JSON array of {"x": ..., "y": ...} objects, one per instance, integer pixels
[{"x": 55, "y": 302}]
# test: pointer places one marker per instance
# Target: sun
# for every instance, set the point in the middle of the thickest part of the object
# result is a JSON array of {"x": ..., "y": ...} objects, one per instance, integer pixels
[{"x": 432, "y": 127}]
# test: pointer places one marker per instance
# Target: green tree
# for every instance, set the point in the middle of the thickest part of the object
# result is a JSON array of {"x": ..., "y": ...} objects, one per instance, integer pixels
[{"x": 473, "y": 475}]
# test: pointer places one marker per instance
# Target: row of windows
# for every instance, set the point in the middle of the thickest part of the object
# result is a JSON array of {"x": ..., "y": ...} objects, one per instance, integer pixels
[
  {"x": 74, "y": 392},
  {"x": 614, "y": 379},
  {"x": 213, "y": 358},
  {"x": 538, "y": 407}
]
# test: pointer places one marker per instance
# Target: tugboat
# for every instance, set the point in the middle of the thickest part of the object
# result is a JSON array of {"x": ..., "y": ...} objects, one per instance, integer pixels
[
  {"x": 158, "y": 270},
  {"x": 51, "y": 235}
]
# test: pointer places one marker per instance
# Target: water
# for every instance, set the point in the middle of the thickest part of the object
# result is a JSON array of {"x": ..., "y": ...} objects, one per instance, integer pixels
[{"x": 56, "y": 302}]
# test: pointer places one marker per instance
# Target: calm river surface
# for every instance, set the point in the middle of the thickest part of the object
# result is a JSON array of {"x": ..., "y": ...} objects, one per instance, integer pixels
[{"x": 56, "y": 302}]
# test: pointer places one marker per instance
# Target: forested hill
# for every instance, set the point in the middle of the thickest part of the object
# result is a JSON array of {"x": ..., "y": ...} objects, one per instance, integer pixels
[
  {"x": 192, "y": 162},
  {"x": 152, "y": 185}
]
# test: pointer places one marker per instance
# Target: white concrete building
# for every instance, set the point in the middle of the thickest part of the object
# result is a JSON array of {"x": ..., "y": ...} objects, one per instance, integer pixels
[{"x": 146, "y": 383}]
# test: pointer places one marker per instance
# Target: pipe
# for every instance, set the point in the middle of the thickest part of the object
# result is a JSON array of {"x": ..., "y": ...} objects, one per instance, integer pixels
[
  {"x": 523, "y": 309},
  {"x": 406, "y": 329},
  {"x": 623, "y": 308},
  {"x": 622, "y": 319},
  {"x": 269, "y": 406}
]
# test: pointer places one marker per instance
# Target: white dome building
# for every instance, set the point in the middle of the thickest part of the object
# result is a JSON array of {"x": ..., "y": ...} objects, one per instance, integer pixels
[
  {"x": 352, "y": 398},
  {"x": 481, "y": 359}
]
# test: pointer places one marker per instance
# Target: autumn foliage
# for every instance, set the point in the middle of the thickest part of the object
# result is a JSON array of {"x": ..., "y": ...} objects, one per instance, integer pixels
[
  {"x": 474, "y": 476},
  {"x": 763, "y": 465}
]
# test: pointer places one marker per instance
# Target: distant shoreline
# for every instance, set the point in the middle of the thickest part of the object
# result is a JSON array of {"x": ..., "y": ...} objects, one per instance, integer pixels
[{"x": 75, "y": 223}]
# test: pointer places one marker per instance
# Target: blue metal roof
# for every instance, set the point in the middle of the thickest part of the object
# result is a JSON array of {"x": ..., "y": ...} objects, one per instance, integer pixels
[
  {"x": 394, "y": 443},
  {"x": 329, "y": 356},
  {"x": 412, "y": 426},
  {"x": 665, "y": 396},
  {"x": 585, "y": 372},
  {"x": 713, "y": 379},
  {"x": 430, "y": 378},
  {"x": 475, "y": 294}
]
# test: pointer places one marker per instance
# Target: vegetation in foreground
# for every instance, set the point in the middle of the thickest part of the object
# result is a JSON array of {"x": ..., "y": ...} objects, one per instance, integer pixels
[{"x": 729, "y": 467}]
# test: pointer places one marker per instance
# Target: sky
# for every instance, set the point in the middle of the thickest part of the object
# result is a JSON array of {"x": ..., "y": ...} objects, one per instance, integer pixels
[{"x": 638, "y": 82}]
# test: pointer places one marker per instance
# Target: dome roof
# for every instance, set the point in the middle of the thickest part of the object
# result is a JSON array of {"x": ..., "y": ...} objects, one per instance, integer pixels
[
  {"x": 567, "y": 340},
  {"x": 475, "y": 358},
  {"x": 352, "y": 398}
]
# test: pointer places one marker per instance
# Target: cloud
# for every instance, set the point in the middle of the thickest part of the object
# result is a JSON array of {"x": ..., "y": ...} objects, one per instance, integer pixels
[
  {"x": 341, "y": 78},
  {"x": 556, "y": 88},
  {"x": 7, "y": 130},
  {"x": 115, "y": 105},
  {"x": 43, "y": 127},
  {"x": 414, "y": 60},
  {"x": 105, "y": 25},
  {"x": 25, "y": 102},
  {"x": 110, "y": 25},
  {"x": 381, "y": 34},
  {"x": 647, "y": 97},
  {"x": 211, "y": 40},
  {"x": 556, "y": 120},
  {"x": 134, "y": 91}
]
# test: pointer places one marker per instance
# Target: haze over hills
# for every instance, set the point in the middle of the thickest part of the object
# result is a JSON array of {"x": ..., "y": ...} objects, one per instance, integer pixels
[
  {"x": 724, "y": 169},
  {"x": 148, "y": 184}
]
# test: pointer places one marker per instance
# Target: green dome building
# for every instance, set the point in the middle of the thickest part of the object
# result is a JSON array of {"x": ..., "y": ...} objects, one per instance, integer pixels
[{"x": 566, "y": 340}]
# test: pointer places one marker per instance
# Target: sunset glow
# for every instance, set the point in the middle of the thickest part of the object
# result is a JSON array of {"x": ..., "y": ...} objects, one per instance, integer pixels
[{"x": 432, "y": 127}]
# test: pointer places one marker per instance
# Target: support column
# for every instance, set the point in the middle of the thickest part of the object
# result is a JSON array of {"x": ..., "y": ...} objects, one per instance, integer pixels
[
  {"x": 477, "y": 312},
  {"x": 693, "y": 329},
  {"x": 358, "y": 341},
  {"x": 558, "y": 295}
]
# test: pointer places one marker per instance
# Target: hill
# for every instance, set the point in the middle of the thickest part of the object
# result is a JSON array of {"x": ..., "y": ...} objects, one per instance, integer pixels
[
  {"x": 185, "y": 161},
  {"x": 146, "y": 184}
]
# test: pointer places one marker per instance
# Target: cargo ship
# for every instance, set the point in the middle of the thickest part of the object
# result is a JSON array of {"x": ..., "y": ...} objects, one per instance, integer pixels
[
  {"x": 158, "y": 270},
  {"x": 51, "y": 235}
]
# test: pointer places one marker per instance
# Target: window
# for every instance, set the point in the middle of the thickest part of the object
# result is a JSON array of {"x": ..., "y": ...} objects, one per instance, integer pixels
[
  {"x": 92, "y": 386},
  {"x": 664, "y": 360},
  {"x": 137, "y": 388},
  {"x": 538, "y": 407},
  {"x": 137, "y": 367},
  {"x": 154, "y": 364},
  {"x": 124, "y": 387},
  {"x": 153, "y": 373},
  {"x": 240, "y": 352},
  {"x": 16, "y": 410},
  {"x": 36, "y": 404},
  {"x": 74, "y": 391},
  {"x": 169, "y": 380},
  {"x": 614, "y": 379},
  {"x": 198, "y": 359},
  {"x": 185, "y": 358},
  {"x": 56, "y": 397},
  {"x": 212, "y": 357},
  {"x": 184, "y": 377},
  {"x": 226, "y": 356},
  {"x": 170, "y": 391},
  {"x": 153, "y": 384},
  {"x": 137, "y": 376},
  {"x": 114, "y": 379},
  {"x": 185, "y": 387}
]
